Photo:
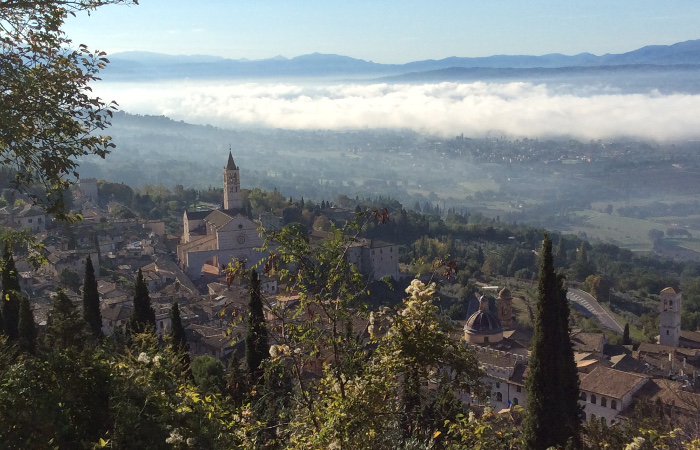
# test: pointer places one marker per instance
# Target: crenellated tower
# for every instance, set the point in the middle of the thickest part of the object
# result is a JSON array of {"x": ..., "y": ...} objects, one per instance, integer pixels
[{"x": 232, "y": 185}]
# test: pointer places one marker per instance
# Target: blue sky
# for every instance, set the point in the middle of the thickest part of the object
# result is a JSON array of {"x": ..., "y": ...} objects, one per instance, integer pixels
[{"x": 386, "y": 31}]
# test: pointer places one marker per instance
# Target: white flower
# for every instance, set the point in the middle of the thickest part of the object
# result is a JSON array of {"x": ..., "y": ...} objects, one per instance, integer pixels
[
  {"x": 636, "y": 444},
  {"x": 156, "y": 360},
  {"x": 143, "y": 358},
  {"x": 191, "y": 442},
  {"x": 175, "y": 436},
  {"x": 273, "y": 351}
]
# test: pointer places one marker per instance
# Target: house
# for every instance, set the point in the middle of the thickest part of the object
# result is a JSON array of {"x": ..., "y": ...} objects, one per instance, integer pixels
[{"x": 605, "y": 392}]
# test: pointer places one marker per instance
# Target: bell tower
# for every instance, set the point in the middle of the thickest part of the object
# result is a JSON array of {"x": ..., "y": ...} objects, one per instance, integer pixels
[
  {"x": 232, "y": 185},
  {"x": 505, "y": 308},
  {"x": 669, "y": 317}
]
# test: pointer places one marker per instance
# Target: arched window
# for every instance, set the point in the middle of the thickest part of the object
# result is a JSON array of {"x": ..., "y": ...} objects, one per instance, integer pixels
[
  {"x": 499, "y": 397},
  {"x": 665, "y": 304},
  {"x": 613, "y": 404},
  {"x": 583, "y": 397},
  {"x": 603, "y": 402},
  {"x": 583, "y": 416},
  {"x": 593, "y": 400},
  {"x": 515, "y": 401}
]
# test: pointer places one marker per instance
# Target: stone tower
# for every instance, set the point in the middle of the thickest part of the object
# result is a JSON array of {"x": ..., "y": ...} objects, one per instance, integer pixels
[
  {"x": 669, "y": 317},
  {"x": 232, "y": 185},
  {"x": 505, "y": 308}
]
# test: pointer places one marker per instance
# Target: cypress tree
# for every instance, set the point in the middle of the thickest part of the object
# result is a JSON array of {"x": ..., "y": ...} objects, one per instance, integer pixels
[
  {"x": 143, "y": 317},
  {"x": 178, "y": 337},
  {"x": 10, "y": 295},
  {"x": 553, "y": 413},
  {"x": 26, "y": 327},
  {"x": 582, "y": 253},
  {"x": 256, "y": 347},
  {"x": 626, "y": 335},
  {"x": 177, "y": 331},
  {"x": 91, "y": 300}
]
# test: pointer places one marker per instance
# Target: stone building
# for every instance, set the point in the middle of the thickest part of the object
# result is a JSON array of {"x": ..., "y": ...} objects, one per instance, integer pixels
[
  {"x": 215, "y": 237},
  {"x": 669, "y": 317}
]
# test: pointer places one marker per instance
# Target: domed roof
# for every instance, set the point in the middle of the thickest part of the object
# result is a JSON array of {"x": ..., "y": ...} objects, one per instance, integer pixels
[
  {"x": 505, "y": 293},
  {"x": 668, "y": 291},
  {"x": 483, "y": 322}
]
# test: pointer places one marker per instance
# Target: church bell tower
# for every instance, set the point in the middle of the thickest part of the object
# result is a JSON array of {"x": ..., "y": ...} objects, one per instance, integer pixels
[
  {"x": 232, "y": 185},
  {"x": 669, "y": 317}
]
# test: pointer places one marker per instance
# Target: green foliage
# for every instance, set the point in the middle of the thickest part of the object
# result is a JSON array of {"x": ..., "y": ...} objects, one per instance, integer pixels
[
  {"x": 256, "y": 346},
  {"x": 143, "y": 317},
  {"x": 208, "y": 374},
  {"x": 65, "y": 327},
  {"x": 27, "y": 333},
  {"x": 177, "y": 331},
  {"x": 91, "y": 300},
  {"x": 69, "y": 279},
  {"x": 553, "y": 413},
  {"x": 626, "y": 335},
  {"x": 48, "y": 116},
  {"x": 10, "y": 295}
]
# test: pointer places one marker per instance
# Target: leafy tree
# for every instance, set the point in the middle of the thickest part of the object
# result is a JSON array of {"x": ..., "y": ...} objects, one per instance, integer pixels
[
  {"x": 553, "y": 413},
  {"x": 26, "y": 327},
  {"x": 69, "y": 279},
  {"x": 236, "y": 381},
  {"x": 10, "y": 295},
  {"x": 91, "y": 300},
  {"x": 48, "y": 116},
  {"x": 208, "y": 374},
  {"x": 143, "y": 317},
  {"x": 65, "y": 328},
  {"x": 256, "y": 346}
]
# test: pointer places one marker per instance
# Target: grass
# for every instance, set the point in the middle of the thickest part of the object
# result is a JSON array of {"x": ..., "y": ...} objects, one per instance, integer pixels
[
  {"x": 636, "y": 334},
  {"x": 482, "y": 185},
  {"x": 624, "y": 231}
]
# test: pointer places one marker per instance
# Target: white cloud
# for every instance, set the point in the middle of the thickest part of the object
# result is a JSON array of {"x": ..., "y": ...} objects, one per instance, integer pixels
[{"x": 475, "y": 109}]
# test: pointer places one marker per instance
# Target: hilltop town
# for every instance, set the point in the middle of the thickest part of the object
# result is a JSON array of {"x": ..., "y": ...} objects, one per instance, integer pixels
[{"x": 191, "y": 265}]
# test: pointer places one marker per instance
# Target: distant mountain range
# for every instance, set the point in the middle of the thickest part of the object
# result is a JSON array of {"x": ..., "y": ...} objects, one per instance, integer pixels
[{"x": 143, "y": 66}]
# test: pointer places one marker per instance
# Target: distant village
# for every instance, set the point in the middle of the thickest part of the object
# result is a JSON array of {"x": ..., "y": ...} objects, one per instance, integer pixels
[{"x": 188, "y": 267}]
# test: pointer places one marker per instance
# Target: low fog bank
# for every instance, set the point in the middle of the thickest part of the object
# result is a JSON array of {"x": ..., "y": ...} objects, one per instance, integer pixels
[{"x": 478, "y": 109}]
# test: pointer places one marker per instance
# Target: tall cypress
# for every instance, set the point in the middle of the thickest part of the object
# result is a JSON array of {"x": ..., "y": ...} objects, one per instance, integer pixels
[
  {"x": 143, "y": 316},
  {"x": 91, "y": 300},
  {"x": 256, "y": 347},
  {"x": 26, "y": 327},
  {"x": 177, "y": 331},
  {"x": 626, "y": 335},
  {"x": 553, "y": 413},
  {"x": 10, "y": 295}
]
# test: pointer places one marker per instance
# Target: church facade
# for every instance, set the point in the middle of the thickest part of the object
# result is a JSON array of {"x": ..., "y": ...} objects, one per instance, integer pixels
[{"x": 216, "y": 237}]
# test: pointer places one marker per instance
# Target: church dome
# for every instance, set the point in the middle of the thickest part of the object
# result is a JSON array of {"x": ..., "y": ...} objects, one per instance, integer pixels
[
  {"x": 668, "y": 291},
  {"x": 505, "y": 293},
  {"x": 483, "y": 322}
]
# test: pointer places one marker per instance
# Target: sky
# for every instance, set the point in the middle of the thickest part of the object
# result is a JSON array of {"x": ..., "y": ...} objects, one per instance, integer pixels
[{"x": 385, "y": 31}]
